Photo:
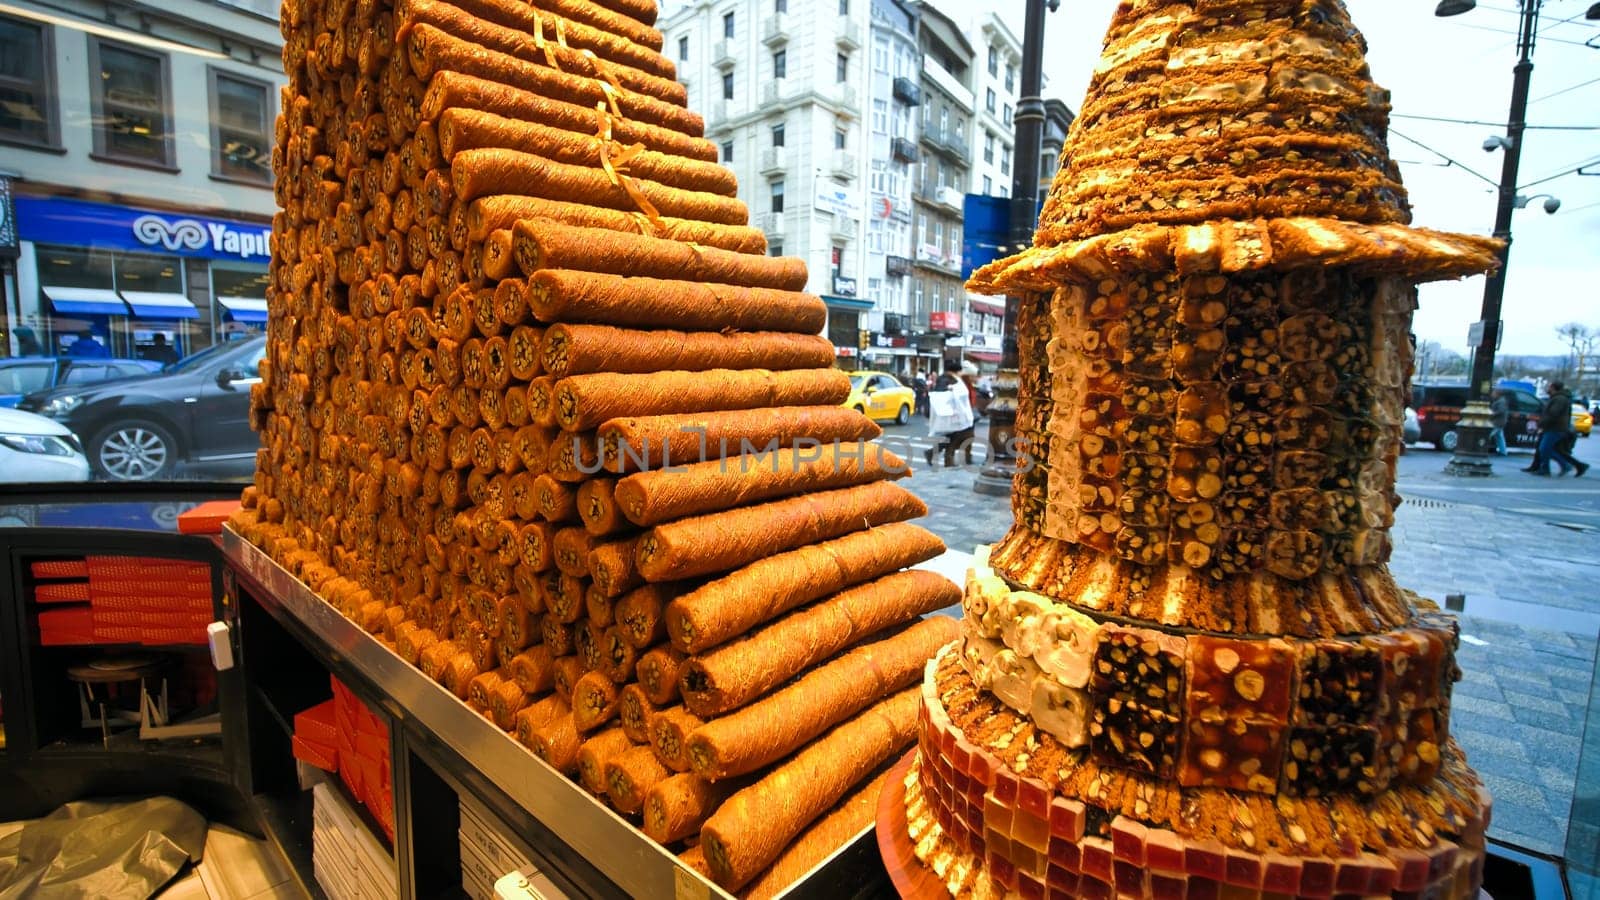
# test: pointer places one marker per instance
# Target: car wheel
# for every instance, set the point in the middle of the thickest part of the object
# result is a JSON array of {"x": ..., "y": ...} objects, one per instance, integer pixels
[
  {"x": 862, "y": 410},
  {"x": 133, "y": 451},
  {"x": 1447, "y": 441},
  {"x": 904, "y": 416}
]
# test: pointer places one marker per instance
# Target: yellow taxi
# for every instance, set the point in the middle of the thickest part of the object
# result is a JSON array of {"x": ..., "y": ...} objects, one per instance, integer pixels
[
  {"x": 880, "y": 395},
  {"x": 1582, "y": 420}
]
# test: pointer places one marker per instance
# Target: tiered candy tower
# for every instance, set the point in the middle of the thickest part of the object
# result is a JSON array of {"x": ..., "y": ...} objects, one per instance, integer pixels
[{"x": 1186, "y": 671}]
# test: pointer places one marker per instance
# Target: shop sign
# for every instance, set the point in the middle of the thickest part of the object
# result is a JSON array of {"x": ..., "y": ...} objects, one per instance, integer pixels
[
  {"x": 839, "y": 201},
  {"x": 844, "y": 286},
  {"x": 879, "y": 339},
  {"x": 8, "y": 221},
  {"x": 944, "y": 321},
  {"x": 77, "y": 223},
  {"x": 844, "y": 352}
]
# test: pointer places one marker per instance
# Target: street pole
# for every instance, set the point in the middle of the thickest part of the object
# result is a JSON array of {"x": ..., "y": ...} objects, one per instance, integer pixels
[
  {"x": 1472, "y": 432},
  {"x": 995, "y": 477}
]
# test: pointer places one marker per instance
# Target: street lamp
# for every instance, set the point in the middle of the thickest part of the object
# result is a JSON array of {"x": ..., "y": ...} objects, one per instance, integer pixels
[
  {"x": 1472, "y": 432},
  {"x": 1551, "y": 202}
]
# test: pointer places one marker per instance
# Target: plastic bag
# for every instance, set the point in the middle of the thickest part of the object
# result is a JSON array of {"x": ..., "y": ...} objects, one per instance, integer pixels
[
  {"x": 949, "y": 411},
  {"x": 101, "y": 850}
]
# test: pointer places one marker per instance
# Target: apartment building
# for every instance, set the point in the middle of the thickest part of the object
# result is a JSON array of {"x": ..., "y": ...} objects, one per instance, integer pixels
[{"x": 938, "y": 300}]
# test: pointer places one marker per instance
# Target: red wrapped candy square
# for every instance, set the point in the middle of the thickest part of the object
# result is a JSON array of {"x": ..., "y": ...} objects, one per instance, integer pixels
[
  {"x": 1000, "y": 868},
  {"x": 1031, "y": 830},
  {"x": 1206, "y": 859},
  {"x": 1441, "y": 859},
  {"x": 1317, "y": 877},
  {"x": 1381, "y": 874},
  {"x": 1167, "y": 887},
  {"x": 1034, "y": 797},
  {"x": 1029, "y": 888},
  {"x": 1411, "y": 869},
  {"x": 1244, "y": 869},
  {"x": 1163, "y": 851},
  {"x": 1061, "y": 882},
  {"x": 1352, "y": 877},
  {"x": 1005, "y": 786},
  {"x": 1282, "y": 874},
  {"x": 1094, "y": 889},
  {"x": 1129, "y": 878},
  {"x": 1204, "y": 889},
  {"x": 1066, "y": 818},
  {"x": 1065, "y": 854},
  {"x": 1127, "y": 840},
  {"x": 997, "y": 815},
  {"x": 1097, "y": 855}
]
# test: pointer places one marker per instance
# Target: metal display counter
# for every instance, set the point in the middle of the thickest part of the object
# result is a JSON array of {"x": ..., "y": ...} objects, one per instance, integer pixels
[{"x": 441, "y": 746}]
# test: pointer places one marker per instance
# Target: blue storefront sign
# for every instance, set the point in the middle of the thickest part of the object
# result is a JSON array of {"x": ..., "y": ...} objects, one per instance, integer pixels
[{"x": 78, "y": 223}]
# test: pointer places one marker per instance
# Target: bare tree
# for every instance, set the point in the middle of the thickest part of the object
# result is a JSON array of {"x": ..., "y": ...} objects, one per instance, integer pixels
[{"x": 1582, "y": 340}]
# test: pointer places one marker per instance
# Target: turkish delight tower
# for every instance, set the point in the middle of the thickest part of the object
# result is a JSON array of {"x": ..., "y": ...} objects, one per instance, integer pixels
[{"x": 1186, "y": 670}]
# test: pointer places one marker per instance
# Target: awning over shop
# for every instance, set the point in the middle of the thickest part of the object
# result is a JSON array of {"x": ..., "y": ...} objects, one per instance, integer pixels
[
  {"x": 985, "y": 307},
  {"x": 989, "y": 356},
  {"x": 152, "y": 305},
  {"x": 245, "y": 309},
  {"x": 889, "y": 351},
  {"x": 846, "y": 302},
  {"x": 72, "y": 301}
]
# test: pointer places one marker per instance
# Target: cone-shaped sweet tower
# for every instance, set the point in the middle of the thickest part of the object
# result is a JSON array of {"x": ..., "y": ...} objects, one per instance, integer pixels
[{"x": 1186, "y": 670}]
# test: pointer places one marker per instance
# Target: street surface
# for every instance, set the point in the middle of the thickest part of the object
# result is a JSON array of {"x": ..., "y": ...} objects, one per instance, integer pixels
[{"x": 1524, "y": 551}]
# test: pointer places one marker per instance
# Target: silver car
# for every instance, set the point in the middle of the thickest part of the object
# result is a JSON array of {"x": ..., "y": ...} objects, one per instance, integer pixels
[{"x": 35, "y": 449}]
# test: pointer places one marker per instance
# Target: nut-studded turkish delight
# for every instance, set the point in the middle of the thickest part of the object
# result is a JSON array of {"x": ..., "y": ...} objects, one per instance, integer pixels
[
  {"x": 1066, "y": 645},
  {"x": 1313, "y": 382},
  {"x": 1145, "y": 471},
  {"x": 1132, "y": 735},
  {"x": 1299, "y": 509},
  {"x": 1147, "y": 434},
  {"x": 1341, "y": 682},
  {"x": 1060, "y": 710},
  {"x": 1243, "y": 550},
  {"x": 1233, "y": 753},
  {"x": 1294, "y": 554},
  {"x": 1194, "y": 534},
  {"x": 1194, "y": 473},
  {"x": 1413, "y": 746},
  {"x": 1305, "y": 427},
  {"x": 1416, "y": 663},
  {"x": 1300, "y": 469},
  {"x": 1101, "y": 414},
  {"x": 1204, "y": 300},
  {"x": 1197, "y": 353},
  {"x": 1330, "y": 760},
  {"x": 1234, "y": 679},
  {"x": 1145, "y": 664},
  {"x": 1145, "y": 545},
  {"x": 1144, "y": 508},
  {"x": 1148, "y": 398},
  {"x": 1202, "y": 413},
  {"x": 1308, "y": 336}
]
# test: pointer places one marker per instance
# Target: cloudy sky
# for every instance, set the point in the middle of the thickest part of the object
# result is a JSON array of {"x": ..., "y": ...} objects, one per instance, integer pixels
[{"x": 1455, "y": 68}]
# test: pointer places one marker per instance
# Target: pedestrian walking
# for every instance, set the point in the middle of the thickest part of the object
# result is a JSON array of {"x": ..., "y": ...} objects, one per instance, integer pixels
[
  {"x": 1499, "y": 411},
  {"x": 951, "y": 420},
  {"x": 1555, "y": 424},
  {"x": 919, "y": 391}
]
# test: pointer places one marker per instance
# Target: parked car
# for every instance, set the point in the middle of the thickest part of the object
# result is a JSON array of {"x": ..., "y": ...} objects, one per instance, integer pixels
[
  {"x": 880, "y": 395},
  {"x": 139, "y": 429},
  {"x": 36, "y": 449},
  {"x": 25, "y": 374},
  {"x": 1582, "y": 420},
  {"x": 1439, "y": 407}
]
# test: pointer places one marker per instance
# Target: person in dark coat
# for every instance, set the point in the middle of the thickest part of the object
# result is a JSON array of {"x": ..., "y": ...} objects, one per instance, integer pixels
[
  {"x": 953, "y": 379},
  {"x": 919, "y": 389},
  {"x": 1555, "y": 424}
]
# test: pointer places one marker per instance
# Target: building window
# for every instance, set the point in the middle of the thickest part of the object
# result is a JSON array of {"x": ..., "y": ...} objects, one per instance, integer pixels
[
  {"x": 994, "y": 60},
  {"x": 844, "y": 7},
  {"x": 988, "y": 147},
  {"x": 131, "y": 104},
  {"x": 1047, "y": 166},
  {"x": 241, "y": 128},
  {"x": 839, "y": 138},
  {"x": 1011, "y": 77},
  {"x": 841, "y": 68},
  {"x": 780, "y": 64},
  {"x": 777, "y": 196},
  {"x": 988, "y": 185},
  {"x": 683, "y": 48},
  {"x": 727, "y": 151},
  {"x": 727, "y": 85},
  {"x": 880, "y": 116},
  {"x": 27, "y": 106},
  {"x": 988, "y": 99},
  {"x": 780, "y": 6},
  {"x": 1005, "y": 160},
  {"x": 778, "y": 135},
  {"x": 1007, "y": 116},
  {"x": 727, "y": 25},
  {"x": 880, "y": 55},
  {"x": 775, "y": 248}
]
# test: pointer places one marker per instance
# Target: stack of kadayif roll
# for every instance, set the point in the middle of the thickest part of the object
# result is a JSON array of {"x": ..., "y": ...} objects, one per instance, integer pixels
[{"x": 539, "y": 411}]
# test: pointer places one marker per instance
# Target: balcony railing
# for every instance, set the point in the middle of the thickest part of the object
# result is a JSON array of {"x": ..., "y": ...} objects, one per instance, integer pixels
[
  {"x": 771, "y": 224},
  {"x": 775, "y": 30},
  {"x": 845, "y": 96},
  {"x": 849, "y": 36},
  {"x": 844, "y": 164},
  {"x": 904, "y": 150},
  {"x": 722, "y": 55},
  {"x": 907, "y": 91},
  {"x": 773, "y": 161},
  {"x": 947, "y": 142}
]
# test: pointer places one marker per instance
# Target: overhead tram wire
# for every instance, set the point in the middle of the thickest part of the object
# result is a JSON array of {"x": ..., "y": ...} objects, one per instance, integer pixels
[
  {"x": 1450, "y": 161},
  {"x": 1493, "y": 124}
]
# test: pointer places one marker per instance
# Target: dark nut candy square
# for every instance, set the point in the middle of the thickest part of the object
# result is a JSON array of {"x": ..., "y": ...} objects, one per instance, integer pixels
[
  {"x": 1101, "y": 414},
  {"x": 1143, "y": 507},
  {"x": 1300, "y": 469},
  {"x": 1246, "y": 680},
  {"x": 1299, "y": 509},
  {"x": 1261, "y": 395},
  {"x": 1331, "y": 760},
  {"x": 1147, "y": 665},
  {"x": 1354, "y": 437},
  {"x": 1304, "y": 427},
  {"x": 1145, "y": 471},
  {"x": 1144, "y": 545},
  {"x": 1148, "y": 398},
  {"x": 1243, "y": 550},
  {"x": 1233, "y": 754},
  {"x": 1147, "y": 434},
  {"x": 1194, "y": 533},
  {"x": 1111, "y": 302},
  {"x": 1197, "y": 353},
  {"x": 1202, "y": 414},
  {"x": 1313, "y": 382},
  {"x": 1127, "y": 734},
  {"x": 1250, "y": 433},
  {"x": 1414, "y": 667},
  {"x": 1195, "y": 473},
  {"x": 1294, "y": 554},
  {"x": 1205, "y": 300},
  {"x": 1310, "y": 335},
  {"x": 1341, "y": 683},
  {"x": 1148, "y": 358},
  {"x": 1106, "y": 339},
  {"x": 1413, "y": 748}
]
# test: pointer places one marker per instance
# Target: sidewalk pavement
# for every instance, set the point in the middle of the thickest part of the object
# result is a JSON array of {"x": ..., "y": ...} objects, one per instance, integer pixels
[{"x": 1528, "y": 638}]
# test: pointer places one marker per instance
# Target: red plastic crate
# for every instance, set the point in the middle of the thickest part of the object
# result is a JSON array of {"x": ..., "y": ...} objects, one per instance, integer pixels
[
  {"x": 316, "y": 754},
  {"x": 317, "y": 724},
  {"x": 59, "y": 568},
  {"x": 155, "y": 589},
  {"x": 208, "y": 517},
  {"x": 61, "y": 592}
]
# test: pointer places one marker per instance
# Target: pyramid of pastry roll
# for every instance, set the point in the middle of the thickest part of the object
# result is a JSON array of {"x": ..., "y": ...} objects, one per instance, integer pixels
[
  {"x": 1186, "y": 670},
  {"x": 539, "y": 412}
]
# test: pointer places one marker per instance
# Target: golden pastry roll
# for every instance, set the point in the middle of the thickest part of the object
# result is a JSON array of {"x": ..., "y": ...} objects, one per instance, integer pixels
[
  {"x": 634, "y": 710},
  {"x": 534, "y": 669},
  {"x": 598, "y": 509},
  {"x": 586, "y": 639},
  {"x": 486, "y": 214},
  {"x": 642, "y": 11},
  {"x": 468, "y": 129},
  {"x": 598, "y": 608},
  {"x": 594, "y": 701},
  {"x": 482, "y": 688},
  {"x": 566, "y": 603},
  {"x": 536, "y": 550},
  {"x": 650, "y": 498},
  {"x": 542, "y": 244},
  {"x": 572, "y": 546},
  {"x": 570, "y": 349},
  {"x": 676, "y": 807},
  {"x": 738, "y": 672},
  {"x": 659, "y": 670},
  {"x": 669, "y": 732},
  {"x": 527, "y": 346},
  {"x": 641, "y": 613},
  {"x": 505, "y": 26},
  {"x": 541, "y": 401},
  {"x": 613, "y": 565},
  {"x": 525, "y": 582},
  {"x": 557, "y": 500},
  {"x": 568, "y": 670},
  {"x": 573, "y": 457},
  {"x": 752, "y": 827},
  {"x": 597, "y": 298},
  {"x": 532, "y": 443},
  {"x": 720, "y": 541},
  {"x": 695, "y": 858},
  {"x": 536, "y": 715},
  {"x": 505, "y": 702},
  {"x": 557, "y": 742},
  {"x": 487, "y": 171},
  {"x": 618, "y": 657},
  {"x": 597, "y": 750},
  {"x": 774, "y": 726},
  {"x": 459, "y": 671},
  {"x": 411, "y": 645},
  {"x": 462, "y": 90},
  {"x": 730, "y": 606},
  {"x": 516, "y": 396},
  {"x": 517, "y": 627},
  {"x": 436, "y": 657},
  {"x": 556, "y": 635},
  {"x": 633, "y": 444},
  {"x": 584, "y": 402},
  {"x": 857, "y": 812},
  {"x": 629, "y": 777},
  {"x": 432, "y": 50}
]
